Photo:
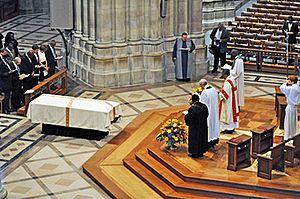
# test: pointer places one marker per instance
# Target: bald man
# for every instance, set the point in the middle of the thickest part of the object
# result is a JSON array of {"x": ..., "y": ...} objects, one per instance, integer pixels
[{"x": 17, "y": 93}]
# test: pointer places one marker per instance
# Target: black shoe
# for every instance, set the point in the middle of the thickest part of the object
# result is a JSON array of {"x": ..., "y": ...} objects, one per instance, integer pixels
[{"x": 214, "y": 71}]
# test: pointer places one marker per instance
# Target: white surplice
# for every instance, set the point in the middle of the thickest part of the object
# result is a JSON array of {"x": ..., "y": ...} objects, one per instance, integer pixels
[
  {"x": 292, "y": 94},
  {"x": 210, "y": 98},
  {"x": 228, "y": 105},
  {"x": 238, "y": 75}
]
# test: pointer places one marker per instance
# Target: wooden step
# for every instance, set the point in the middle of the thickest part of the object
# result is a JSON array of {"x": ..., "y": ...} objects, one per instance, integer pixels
[
  {"x": 157, "y": 184},
  {"x": 186, "y": 175},
  {"x": 202, "y": 188}
]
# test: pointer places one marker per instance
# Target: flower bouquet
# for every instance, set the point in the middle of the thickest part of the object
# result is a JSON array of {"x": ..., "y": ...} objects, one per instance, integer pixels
[
  {"x": 172, "y": 131},
  {"x": 198, "y": 91}
]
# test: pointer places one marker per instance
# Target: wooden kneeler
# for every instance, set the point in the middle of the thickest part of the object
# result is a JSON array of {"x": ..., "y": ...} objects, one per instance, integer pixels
[
  {"x": 273, "y": 159},
  {"x": 292, "y": 148}
]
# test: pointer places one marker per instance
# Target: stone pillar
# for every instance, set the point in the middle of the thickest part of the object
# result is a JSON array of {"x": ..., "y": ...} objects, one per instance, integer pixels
[
  {"x": 3, "y": 191},
  {"x": 196, "y": 33},
  {"x": 133, "y": 45}
]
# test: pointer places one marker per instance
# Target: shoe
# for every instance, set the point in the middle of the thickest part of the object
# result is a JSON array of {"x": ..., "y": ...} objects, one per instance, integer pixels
[{"x": 213, "y": 71}]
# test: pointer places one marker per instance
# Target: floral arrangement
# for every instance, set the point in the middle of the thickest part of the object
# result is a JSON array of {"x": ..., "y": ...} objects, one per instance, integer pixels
[
  {"x": 172, "y": 131},
  {"x": 197, "y": 90}
]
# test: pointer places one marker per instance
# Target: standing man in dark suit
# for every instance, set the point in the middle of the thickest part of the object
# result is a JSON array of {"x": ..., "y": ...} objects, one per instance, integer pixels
[
  {"x": 291, "y": 29},
  {"x": 35, "y": 61},
  {"x": 6, "y": 73},
  {"x": 17, "y": 93},
  {"x": 51, "y": 58},
  {"x": 219, "y": 37},
  {"x": 27, "y": 68}
]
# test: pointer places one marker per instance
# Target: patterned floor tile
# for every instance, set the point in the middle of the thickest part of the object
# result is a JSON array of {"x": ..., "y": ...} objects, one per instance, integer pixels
[
  {"x": 18, "y": 174},
  {"x": 34, "y": 134},
  {"x": 179, "y": 100},
  {"x": 14, "y": 149},
  {"x": 148, "y": 105},
  {"x": 89, "y": 94},
  {"x": 5, "y": 121},
  {"x": 44, "y": 154},
  {"x": 28, "y": 188},
  {"x": 65, "y": 182},
  {"x": 49, "y": 167},
  {"x": 73, "y": 146},
  {"x": 79, "y": 159},
  {"x": 83, "y": 194},
  {"x": 135, "y": 96},
  {"x": 189, "y": 87},
  {"x": 167, "y": 91},
  {"x": 127, "y": 110}
]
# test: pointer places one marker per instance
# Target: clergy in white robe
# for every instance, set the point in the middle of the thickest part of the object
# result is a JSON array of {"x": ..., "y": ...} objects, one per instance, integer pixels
[
  {"x": 228, "y": 108},
  {"x": 210, "y": 98},
  {"x": 291, "y": 90},
  {"x": 237, "y": 72}
]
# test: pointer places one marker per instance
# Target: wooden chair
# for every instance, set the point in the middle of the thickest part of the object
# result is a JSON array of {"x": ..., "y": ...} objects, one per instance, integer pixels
[
  {"x": 255, "y": 44},
  {"x": 259, "y": 15},
  {"x": 272, "y": 26},
  {"x": 252, "y": 10},
  {"x": 271, "y": 16},
  {"x": 266, "y": 21},
  {"x": 255, "y": 30},
  {"x": 292, "y": 148},
  {"x": 262, "y": 37},
  {"x": 241, "y": 42},
  {"x": 277, "y": 38},
  {"x": 241, "y": 18},
  {"x": 248, "y": 35},
  {"x": 246, "y": 24},
  {"x": 253, "y": 19},
  {"x": 268, "y": 31},
  {"x": 278, "y": 21},
  {"x": 235, "y": 34},
  {"x": 273, "y": 159},
  {"x": 242, "y": 29},
  {"x": 247, "y": 14},
  {"x": 288, "y": 12},
  {"x": 281, "y": 46},
  {"x": 259, "y": 25}
]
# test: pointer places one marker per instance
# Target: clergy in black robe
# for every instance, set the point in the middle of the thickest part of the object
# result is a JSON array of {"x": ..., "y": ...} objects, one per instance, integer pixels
[
  {"x": 27, "y": 68},
  {"x": 196, "y": 119},
  {"x": 182, "y": 57},
  {"x": 17, "y": 93}
]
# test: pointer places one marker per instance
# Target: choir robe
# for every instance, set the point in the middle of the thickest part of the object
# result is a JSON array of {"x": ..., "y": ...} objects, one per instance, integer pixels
[
  {"x": 196, "y": 120},
  {"x": 210, "y": 98},
  {"x": 238, "y": 75},
  {"x": 292, "y": 94},
  {"x": 184, "y": 59},
  {"x": 228, "y": 107}
]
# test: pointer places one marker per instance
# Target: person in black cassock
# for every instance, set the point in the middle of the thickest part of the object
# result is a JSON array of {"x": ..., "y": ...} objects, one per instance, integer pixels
[
  {"x": 51, "y": 58},
  {"x": 196, "y": 119},
  {"x": 183, "y": 57},
  {"x": 10, "y": 38}
]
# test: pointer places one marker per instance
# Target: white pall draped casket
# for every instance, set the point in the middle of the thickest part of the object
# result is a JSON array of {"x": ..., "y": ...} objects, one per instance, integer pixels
[{"x": 73, "y": 112}]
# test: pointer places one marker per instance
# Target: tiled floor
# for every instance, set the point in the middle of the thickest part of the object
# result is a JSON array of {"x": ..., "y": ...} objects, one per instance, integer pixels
[{"x": 38, "y": 166}]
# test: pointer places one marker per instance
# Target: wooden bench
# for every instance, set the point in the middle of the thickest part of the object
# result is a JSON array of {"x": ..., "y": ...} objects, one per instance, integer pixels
[
  {"x": 292, "y": 148},
  {"x": 262, "y": 139},
  {"x": 273, "y": 159},
  {"x": 239, "y": 152},
  {"x": 59, "y": 79}
]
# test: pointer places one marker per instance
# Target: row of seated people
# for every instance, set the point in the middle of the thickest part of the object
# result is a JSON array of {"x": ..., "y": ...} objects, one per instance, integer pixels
[{"x": 21, "y": 72}]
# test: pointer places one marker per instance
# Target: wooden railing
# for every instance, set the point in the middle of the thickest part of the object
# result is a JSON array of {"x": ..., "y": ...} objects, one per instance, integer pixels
[{"x": 59, "y": 79}]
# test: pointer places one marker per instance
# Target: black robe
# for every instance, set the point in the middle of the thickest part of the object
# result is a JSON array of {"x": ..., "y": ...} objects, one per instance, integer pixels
[
  {"x": 292, "y": 38},
  {"x": 196, "y": 119}
]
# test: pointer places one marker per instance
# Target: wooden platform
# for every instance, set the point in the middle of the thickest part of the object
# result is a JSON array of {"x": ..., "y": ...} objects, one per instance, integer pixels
[{"x": 134, "y": 165}]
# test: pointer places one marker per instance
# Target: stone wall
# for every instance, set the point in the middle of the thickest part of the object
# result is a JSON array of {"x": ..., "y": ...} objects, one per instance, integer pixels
[
  {"x": 120, "y": 43},
  {"x": 34, "y": 6},
  {"x": 216, "y": 11}
]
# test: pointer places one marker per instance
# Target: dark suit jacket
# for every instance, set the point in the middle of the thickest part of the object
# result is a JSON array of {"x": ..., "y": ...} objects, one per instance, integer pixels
[
  {"x": 27, "y": 67},
  {"x": 294, "y": 29},
  {"x": 224, "y": 37},
  {"x": 52, "y": 63},
  {"x": 5, "y": 76}
]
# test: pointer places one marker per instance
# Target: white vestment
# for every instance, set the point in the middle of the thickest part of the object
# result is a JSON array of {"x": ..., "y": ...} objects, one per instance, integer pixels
[
  {"x": 210, "y": 98},
  {"x": 238, "y": 75},
  {"x": 228, "y": 105},
  {"x": 292, "y": 94}
]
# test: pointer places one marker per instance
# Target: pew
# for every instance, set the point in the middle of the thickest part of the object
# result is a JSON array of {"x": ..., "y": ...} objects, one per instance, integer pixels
[
  {"x": 59, "y": 79},
  {"x": 292, "y": 148},
  {"x": 239, "y": 152},
  {"x": 262, "y": 139},
  {"x": 273, "y": 159}
]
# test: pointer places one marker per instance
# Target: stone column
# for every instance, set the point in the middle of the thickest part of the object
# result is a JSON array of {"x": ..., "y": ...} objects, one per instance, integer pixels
[
  {"x": 182, "y": 16},
  {"x": 3, "y": 191},
  {"x": 196, "y": 33}
]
